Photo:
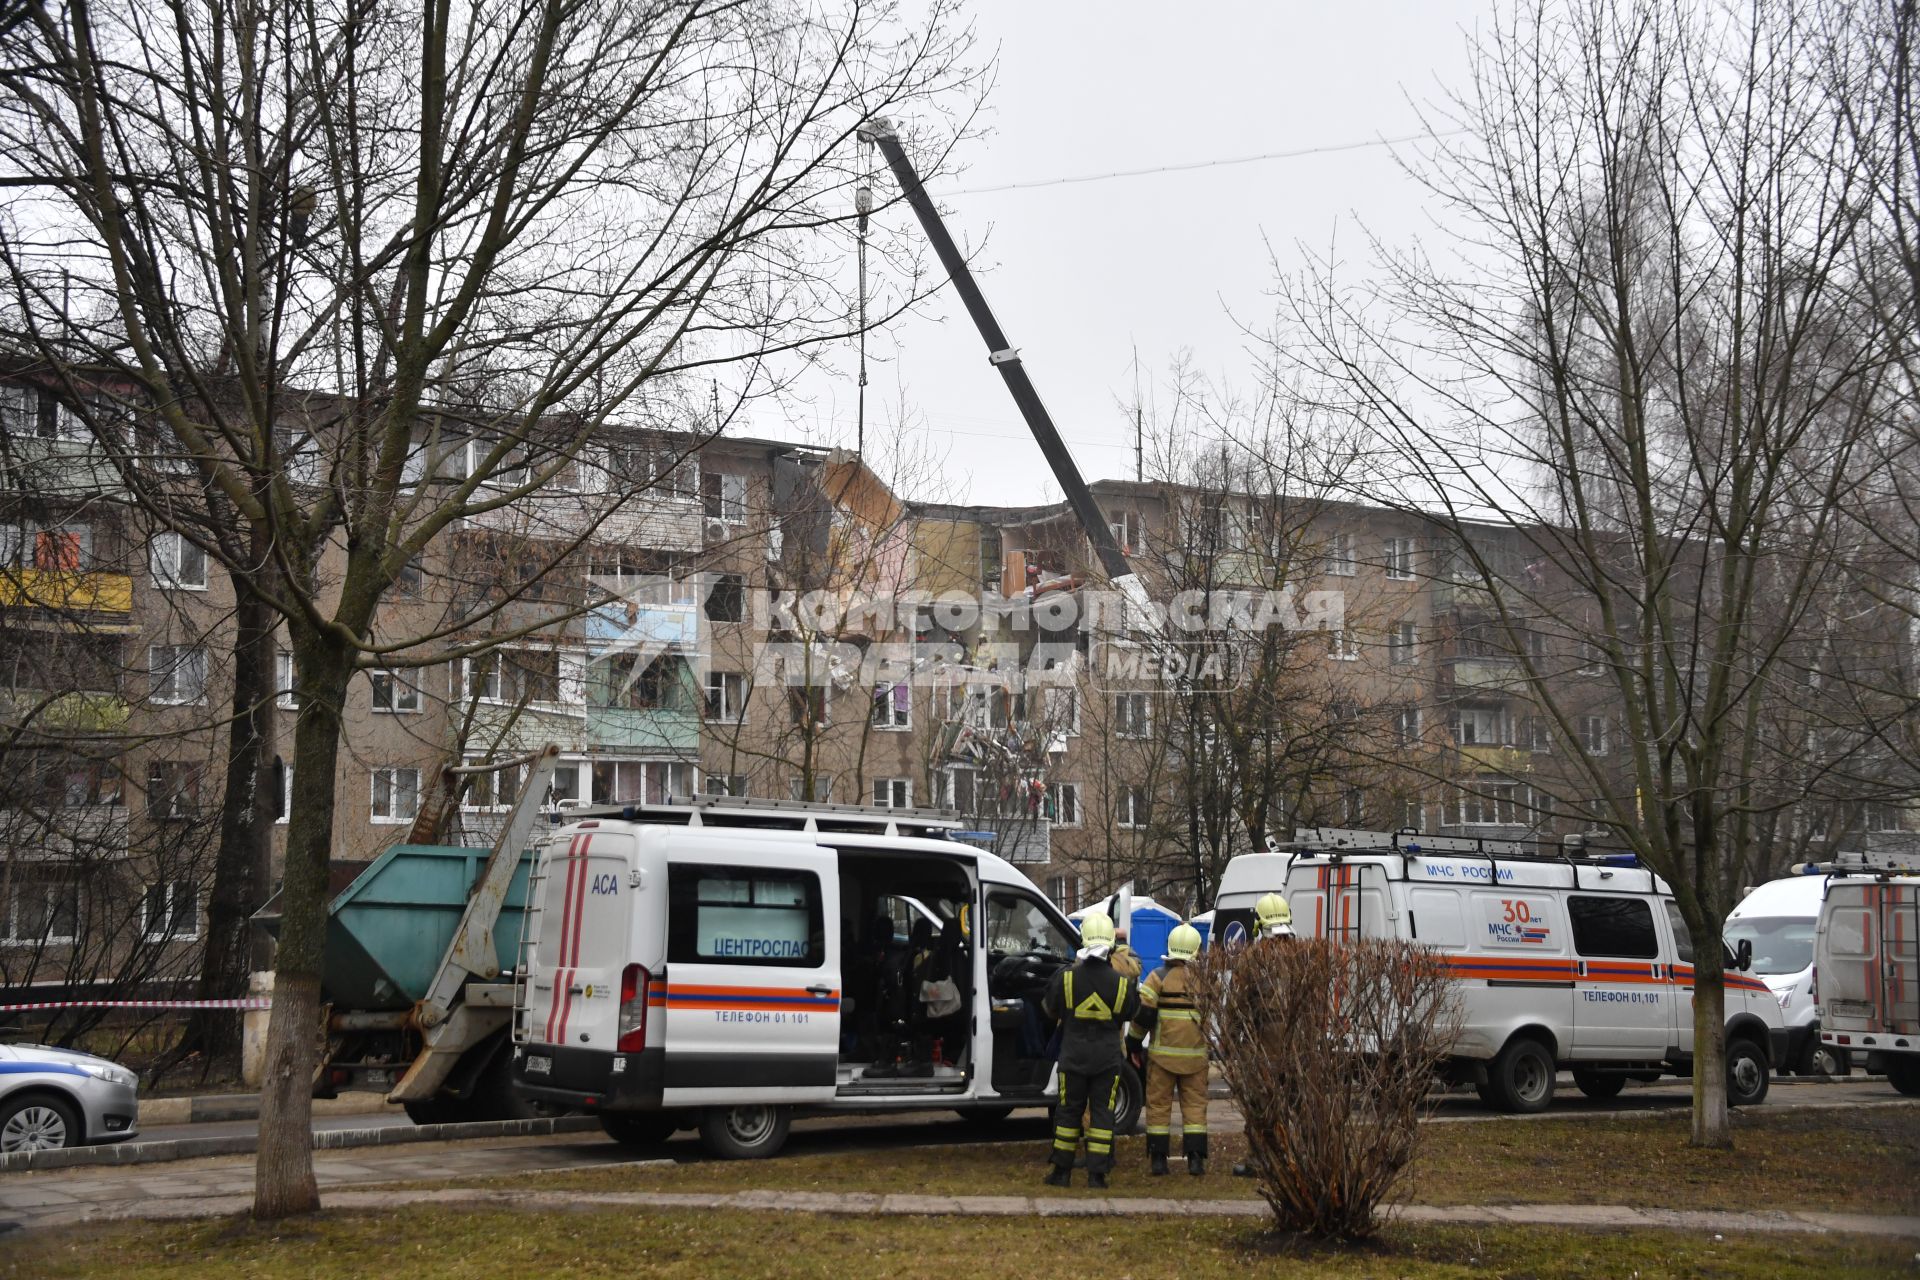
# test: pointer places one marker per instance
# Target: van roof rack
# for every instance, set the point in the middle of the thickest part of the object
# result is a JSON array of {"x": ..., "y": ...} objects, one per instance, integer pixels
[
  {"x": 776, "y": 815},
  {"x": 1336, "y": 842}
]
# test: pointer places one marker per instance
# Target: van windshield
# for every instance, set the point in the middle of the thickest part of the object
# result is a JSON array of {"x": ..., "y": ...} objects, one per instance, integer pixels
[{"x": 1781, "y": 944}]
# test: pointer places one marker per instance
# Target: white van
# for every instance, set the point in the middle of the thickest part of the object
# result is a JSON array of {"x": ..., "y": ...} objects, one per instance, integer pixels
[
  {"x": 1867, "y": 953},
  {"x": 1581, "y": 962},
  {"x": 1777, "y": 920},
  {"x": 725, "y": 963}
]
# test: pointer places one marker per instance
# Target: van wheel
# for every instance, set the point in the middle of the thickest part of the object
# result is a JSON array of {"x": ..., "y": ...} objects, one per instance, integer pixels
[
  {"x": 1747, "y": 1074},
  {"x": 745, "y": 1133},
  {"x": 1903, "y": 1073},
  {"x": 1599, "y": 1085},
  {"x": 1133, "y": 1101},
  {"x": 1822, "y": 1060},
  {"x": 638, "y": 1131},
  {"x": 1521, "y": 1078}
]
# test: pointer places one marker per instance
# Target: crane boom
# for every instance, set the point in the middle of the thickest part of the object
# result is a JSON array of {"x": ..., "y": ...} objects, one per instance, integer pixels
[{"x": 1002, "y": 355}]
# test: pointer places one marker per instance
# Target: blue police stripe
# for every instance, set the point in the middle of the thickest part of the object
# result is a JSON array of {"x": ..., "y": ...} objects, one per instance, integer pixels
[{"x": 40, "y": 1068}]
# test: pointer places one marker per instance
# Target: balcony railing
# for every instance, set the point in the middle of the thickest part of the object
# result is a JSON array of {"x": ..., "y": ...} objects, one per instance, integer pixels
[
  {"x": 66, "y": 590},
  {"x": 646, "y": 521},
  {"x": 1023, "y": 841}
]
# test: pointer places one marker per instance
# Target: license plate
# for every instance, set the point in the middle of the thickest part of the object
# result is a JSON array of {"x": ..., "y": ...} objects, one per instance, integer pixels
[{"x": 538, "y": 1066}]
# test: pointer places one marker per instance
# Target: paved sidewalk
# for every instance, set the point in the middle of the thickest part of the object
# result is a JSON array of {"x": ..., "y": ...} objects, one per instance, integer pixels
[{"x": 1090, "y": 1205}]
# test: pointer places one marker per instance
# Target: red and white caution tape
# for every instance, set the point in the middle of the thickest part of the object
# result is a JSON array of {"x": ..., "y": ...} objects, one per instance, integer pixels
[{"x": 251, "y": 1002}]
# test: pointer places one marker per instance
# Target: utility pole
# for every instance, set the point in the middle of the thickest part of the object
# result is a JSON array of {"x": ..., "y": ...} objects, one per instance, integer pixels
[{"x": 1139, "y": 466}]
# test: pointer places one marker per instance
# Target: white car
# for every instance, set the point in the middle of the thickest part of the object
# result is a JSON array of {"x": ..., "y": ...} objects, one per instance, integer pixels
[{"x": 52, "y": 1098}]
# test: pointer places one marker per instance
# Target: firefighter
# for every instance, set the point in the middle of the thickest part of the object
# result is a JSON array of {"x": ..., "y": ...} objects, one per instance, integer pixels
[
  {"x": 1094, "y": 1003},
  {"x": 1177, "y": 1059},
  {"x": 1273, "y": 921}
]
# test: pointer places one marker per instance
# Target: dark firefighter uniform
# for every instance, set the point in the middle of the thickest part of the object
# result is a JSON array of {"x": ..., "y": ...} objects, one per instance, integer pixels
[
  {"x": 1094, "y": 1003},
  {"x": 1176, "y": 1063}
]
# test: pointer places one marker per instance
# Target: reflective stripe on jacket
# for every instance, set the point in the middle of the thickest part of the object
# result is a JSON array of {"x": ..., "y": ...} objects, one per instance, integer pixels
[{"x": 1167, "y": 1010}]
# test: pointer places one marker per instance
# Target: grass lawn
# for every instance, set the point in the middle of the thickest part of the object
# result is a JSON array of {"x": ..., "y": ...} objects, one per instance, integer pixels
[
  {"x": 1865, "y": 1161},
  {"x": 424, "y": 1243}
]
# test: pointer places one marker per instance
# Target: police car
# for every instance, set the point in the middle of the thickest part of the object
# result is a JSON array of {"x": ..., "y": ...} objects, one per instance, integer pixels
[
  {"x": 726, "y": 963},
  {"x": 1560, "y": 961}
]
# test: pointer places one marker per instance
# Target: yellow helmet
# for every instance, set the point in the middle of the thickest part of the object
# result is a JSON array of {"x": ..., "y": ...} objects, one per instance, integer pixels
[
  {"x": 1096, "y": 929},
  {"x": 1274, "y": 915},
  {"x": 1183, "y": 943}
]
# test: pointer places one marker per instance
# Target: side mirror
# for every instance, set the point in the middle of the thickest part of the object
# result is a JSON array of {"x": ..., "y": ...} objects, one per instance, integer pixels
[{"x": 1743, "y": 955}]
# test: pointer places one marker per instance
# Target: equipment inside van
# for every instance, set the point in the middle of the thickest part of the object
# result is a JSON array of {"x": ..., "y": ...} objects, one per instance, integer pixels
[
  {"x": 724, "y": 963},
  {"x": 1570, "y": 959}
]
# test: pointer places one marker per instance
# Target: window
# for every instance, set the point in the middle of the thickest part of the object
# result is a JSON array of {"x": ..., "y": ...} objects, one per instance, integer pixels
[
  {"x": 1481, "y": 726},
  {"x": 515, "y": 675},
  {"x": 1063, "y": 712},
  {"x": 822, "y": 787},
  {"x": 396, "y": 795},
  {"x": 1129, "y": 529},
  {"x": 1415, "y": 816},
  {"x": 726, "y": 784},
  {"x": 1683, "y": 942},
  {"x": 1399, "y": 559},
  {"x": 632, "y": 682},
  {"x": 283, "y": 695},
  {"x": 1340, "y": 557},
  {"x": 283, "y": 792},
  {"x": 1590, "y": 656},
  {"x": 177, "y": 563},
  {"x": 178, "y": 672},
  {"x": 1063, "y": 804},
  {"x": 964, "y": 790},
  {"x": 744, "y": 915},
  {"x": 1065, "y": 891},
  {"x": 395, "y": 691},
  {"x": 170, "y": 911},
  {"x": 1406, "y": 726},
  {"x": 173, "y": 790},
  {"x": 1353, "y": 804},
  {"x": 1539, "y": 734},
  {"x": 723, "y": 496},
  {"x": 893, "y": 793},
  {"x": 411, "y": 582},
  {"x": 1342, "y": 644},
  {"x": 893, "y": 706},
  {"x": 1488, "y": 805},
  {"x": 726, "y": 697},
  {"x": 1132, "y": 715},
  {"x": 1879, "y": 815},
  {"x": 1130, "y": 808},
  {"x": 1593, "y": 735},
  {"x": 1607, "y": 926},
  {"x": 727, "y": 598},
  {"x": 43, "y": 905},
  {"x": 55, "y": 779},
  {"x": 807, "y": 704},
  {"x": 19, "y": 412},
  {"x": 1403, "y": 643},
  {"x": 494, "y": 789},
  {"x": 642, "y": 782},
  {"x": 63, "y": 548}
]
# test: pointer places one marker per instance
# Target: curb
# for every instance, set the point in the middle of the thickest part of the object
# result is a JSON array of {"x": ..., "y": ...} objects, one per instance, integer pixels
[
  {"x": 213, "y": 1107},
  {"x": 131, "y": 1153}
]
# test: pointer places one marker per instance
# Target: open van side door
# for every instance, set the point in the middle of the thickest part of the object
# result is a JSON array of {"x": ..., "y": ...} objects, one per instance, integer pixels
[{"x": 753, "y": 972}]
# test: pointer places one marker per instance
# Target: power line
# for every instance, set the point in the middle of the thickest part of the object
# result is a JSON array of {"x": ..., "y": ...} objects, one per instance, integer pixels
[{"x": 1207, "y": 164}]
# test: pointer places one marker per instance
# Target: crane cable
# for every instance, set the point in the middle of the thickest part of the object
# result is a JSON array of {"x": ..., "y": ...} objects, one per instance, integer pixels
[{"x": 863, "y": 206}]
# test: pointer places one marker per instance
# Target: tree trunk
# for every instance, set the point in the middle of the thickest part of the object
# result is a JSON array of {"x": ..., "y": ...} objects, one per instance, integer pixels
[
  {"x": 283, "y": 1173},
  {"x": 1710, "y": 1127},
  {"x": 239, "y": 866}
]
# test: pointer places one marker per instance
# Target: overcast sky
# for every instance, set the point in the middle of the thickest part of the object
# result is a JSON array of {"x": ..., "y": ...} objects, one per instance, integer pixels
[{"x": 1082, "y": 275}]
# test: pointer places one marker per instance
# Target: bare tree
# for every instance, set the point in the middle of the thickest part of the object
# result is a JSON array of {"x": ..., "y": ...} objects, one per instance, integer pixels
[
  {"x": 433, "y": 251},
  {"x": 1645, "y": 377}
]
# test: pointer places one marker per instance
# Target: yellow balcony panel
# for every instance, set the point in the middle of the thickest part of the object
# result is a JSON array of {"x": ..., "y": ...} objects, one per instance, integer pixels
[
  {"x": 1511, "y": 761},
  {"x": 70, "y": 712},
  {"x": 66, "y": 590}
]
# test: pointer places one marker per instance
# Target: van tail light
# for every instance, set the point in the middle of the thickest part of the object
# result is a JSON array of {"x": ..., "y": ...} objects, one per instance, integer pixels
[{"x": 633, "y": 1008}]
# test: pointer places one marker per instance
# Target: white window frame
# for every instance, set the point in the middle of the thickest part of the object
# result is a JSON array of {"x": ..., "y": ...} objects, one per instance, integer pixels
[
  {"x": 1399, "y": 559},
  {"x": 1502, "y": 726},
  {"x": 893, "y": 793},
  {"x": 1593, "y": 735},
  {"x": 733, "y": 697},
  {"x": 11, "y": 904},
  {"x": 1069, "y": 724},
  {"x": 1415, "y": 814},
  {"x": 400, "y": 682},
  {"x": 387, "y": 780},
  {"x": 1128, "y": 809},
  {"x": 286, "y": 795},
  {"x": 164, "y": 682},
  {"x": 1353, "y": 804},
  {"x": 1341, "y": 560},
  {"x": 1056, "y": 792},
  {"x": 169, "y": 909},
  {"x": 1403, "y": 643},
  {"x": 822, "y": 788},
  {"x": 1342, "y": 644},
  {"x": 283, "y": 694},
  {"x": 168, "y": 557},
  {"x": 895, "y": 720},
  {"x": 722, "y": 784},
  {"x": 731, "y": 499},
  {"x": 1408, "y": 726}
]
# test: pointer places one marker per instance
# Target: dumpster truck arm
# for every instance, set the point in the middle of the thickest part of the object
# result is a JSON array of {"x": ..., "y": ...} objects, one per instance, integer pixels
[{"x": 1002, "y": 355}]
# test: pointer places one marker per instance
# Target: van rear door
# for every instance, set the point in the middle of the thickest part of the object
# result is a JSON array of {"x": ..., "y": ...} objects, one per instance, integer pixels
[
  {"x": 582, "y": 930},
  {"x": 752, "y": 987}
]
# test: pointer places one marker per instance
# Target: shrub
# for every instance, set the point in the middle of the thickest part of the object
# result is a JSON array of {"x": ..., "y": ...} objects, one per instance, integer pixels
[{"x": 1331, "y": 1050}]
